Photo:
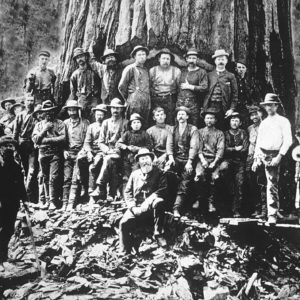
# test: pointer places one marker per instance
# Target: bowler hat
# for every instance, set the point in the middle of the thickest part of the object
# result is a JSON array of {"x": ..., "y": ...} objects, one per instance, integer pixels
[
  {"x": 138, "y": 48},
  {"x": 165, "y": 51},
  {"x": 183, "y": 108},
  {"x": 235, "y": 114},
  {"x": 192, "y": 51},
  {"x": 101, "y": 107},
  {"x": 210, "y": 111},
  {"x": 6, "y": 139},
  {"x": 11, "y": 100},
  {"x": 116, "y": 102},
  {"x": 79, "y": 51},
  {"x": 135, "y": 116},
  {"x": 144, "y": 152},
  {"x": 47, "y": 106},
  {"x": 220, "y": 52},
  {"x": 241, "y": 61},
  {"x": 109, "y": 52},
  {"x": 271, "y": 98},
  {"x": 44, "y": 53},
  {"x": 72, "y": 104}
]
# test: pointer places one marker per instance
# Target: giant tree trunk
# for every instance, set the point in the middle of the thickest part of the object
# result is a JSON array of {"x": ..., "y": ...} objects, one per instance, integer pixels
[{"x": 257, "y": 30}]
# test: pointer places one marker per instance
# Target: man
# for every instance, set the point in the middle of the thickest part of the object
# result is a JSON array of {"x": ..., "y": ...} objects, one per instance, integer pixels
[
  {"x": 255, "y": 181},
  {"x": 23, "y": 128},
  {"x": 91, "y": 154},
  {"x": 145, "y": 194},
  {"x": 110, "y": 72},
  {"x": 40, "y": 81},
  {"x": 49, "y": 136},
  {"x": 246, "y": 92},
  {"x": 134, "y": 85},
  {"x": 211, "y": 151},
  {"x": 7, "y": 117},
  {"x": 193, "y": 85},
  {"x": 182, "y": 147},
  {"x": 76, "y": 129},
  {"x": 110, "y": 132},
  {"x": 84, "y": 83},
  {"x": 274, "y": 139},
  {"x": 236, "y": 149},
  {"x": 222, "y": 92},
  {"x": 164, "y": 84},
  {"x": 159, "y": 134},
  {"x": 11, "y": 192}
]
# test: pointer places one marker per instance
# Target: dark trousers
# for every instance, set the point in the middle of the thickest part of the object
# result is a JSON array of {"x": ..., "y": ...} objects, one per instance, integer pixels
[
  {"x": 168, "y": 102},
  {"x": 29, "y": 158},
  {"x": 51, "y": 170},
  {"x": 87, "y": 102},
  {"x": 152, "y": 208},
  {"x": 234, "y": 169},
  {"x": 8, "y": 215},
  {"x": 108, "y": 176},
  {"x": 184, "y": 185},
  {"x": 43, "y": 95}
]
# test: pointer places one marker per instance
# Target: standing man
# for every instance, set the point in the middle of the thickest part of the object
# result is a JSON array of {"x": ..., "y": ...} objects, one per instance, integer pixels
[
  {"x": 40, "y": 81},
  {"x": 91, "y": 154},
  {"x": 7, "y": 117},
  {"x": 274, "y": 139},
  {"x": 76, "y": 129},
  {"x": 145, "y": 194},
  {"x": 110, "y": 72},
  {"x": 23, "y": 129},
  {"x": 182, "y": 147},
  {"x": 193, "y": 85},
  {"x": 164, "y": 84},
  {"x": 84, "y": 83},
  {"x": 11, "y": 192},
  {"x": 222, "y": 91},
  {"x": 49, "y": 136},
  {"x": 134, "y": 85},
  {"x": 110, "y": 132}
]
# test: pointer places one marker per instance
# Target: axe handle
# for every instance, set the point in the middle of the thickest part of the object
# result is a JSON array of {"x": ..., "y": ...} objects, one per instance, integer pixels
[{"x": 297, "y": 198}]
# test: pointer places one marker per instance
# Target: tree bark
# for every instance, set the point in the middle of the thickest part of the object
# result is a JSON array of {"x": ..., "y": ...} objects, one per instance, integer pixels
[{"x": 259, "y": 31}]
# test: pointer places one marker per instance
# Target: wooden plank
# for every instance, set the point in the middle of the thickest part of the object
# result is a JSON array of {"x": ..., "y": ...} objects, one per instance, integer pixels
[{"x": 237, "y": 221}]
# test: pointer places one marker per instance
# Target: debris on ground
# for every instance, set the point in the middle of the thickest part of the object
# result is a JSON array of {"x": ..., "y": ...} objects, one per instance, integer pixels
[{"x": 79, "y": 252}]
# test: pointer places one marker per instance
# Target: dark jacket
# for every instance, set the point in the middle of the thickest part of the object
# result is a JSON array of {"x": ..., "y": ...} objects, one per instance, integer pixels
[{"x": 228, "y": 84}]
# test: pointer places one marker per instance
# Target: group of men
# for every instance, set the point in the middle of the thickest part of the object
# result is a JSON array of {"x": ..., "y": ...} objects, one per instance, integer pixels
[{"x": 134, "y": 133}]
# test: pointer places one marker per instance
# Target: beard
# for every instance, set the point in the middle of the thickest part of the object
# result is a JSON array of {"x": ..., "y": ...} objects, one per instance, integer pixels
[
  {"x": 191, "y": 64},
  {"x": 146, "y": 168},
  {"x": 111, "y": 64},
  {"x": 8, "y": 155}
]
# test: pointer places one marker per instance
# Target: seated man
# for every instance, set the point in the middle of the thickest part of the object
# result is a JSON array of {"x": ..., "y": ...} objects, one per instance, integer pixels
[
  {"x": 110, "y": 132},
  {"x": 145, "y": 194},
  {"x": 131, "y": 142},
  {"x": 159, "y": 134},
  {"x": 211, "y": 151},
  {"x": 182, "y": 147},
  {"x": 91, "y": 154},
  {"x": 236, "y": 149}
]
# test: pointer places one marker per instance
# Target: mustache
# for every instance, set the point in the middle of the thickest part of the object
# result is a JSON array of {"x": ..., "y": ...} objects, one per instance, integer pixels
[{"x": 146, "y": 164}]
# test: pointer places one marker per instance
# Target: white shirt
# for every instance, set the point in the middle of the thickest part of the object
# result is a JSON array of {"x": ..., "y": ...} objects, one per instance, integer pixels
[{"x": 275, "y": 134}]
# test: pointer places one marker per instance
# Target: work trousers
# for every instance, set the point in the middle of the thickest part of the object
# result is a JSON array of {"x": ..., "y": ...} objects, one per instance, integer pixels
[
  {"x": 87, "y": 102},
  {"x": 51, "y": 169},
  {"x": 168, "y": 102},
  {"x": 135, "y": 217}
]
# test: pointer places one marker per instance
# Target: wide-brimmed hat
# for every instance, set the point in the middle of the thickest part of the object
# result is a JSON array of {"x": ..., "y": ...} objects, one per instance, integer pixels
[
  {"x": 183, "y": 108},
  {"x": 6, "y": 139},
  {"x": 116, "y": 102},
  {"x": 11, "y": 100},
  {"x": 271, "y": 98},
  {"x": 192, "y": 51},
  {"x": 144, "y": 152},
  {"x": 253, "y": 109},
  {"x": 109, "y": 52},
  {"x": 137, "y": 48},
  {"x": 235, "y": 114},
  {"x": 135, "y": 116},
  {"x": 210, "y": 111},
  {"x": 37, "y": 109},
  {"x": 72, "y": 104},
  {"x": 220, "y": 52},
  {"x": 44, "y": 53},
  {"x": 18, "y": 104},
  {"x": 79, "y": 51},
  {"x": 101, "y": 107},
  {"x": 165, "y": 51},
  {"x": 47, "y": 106}
]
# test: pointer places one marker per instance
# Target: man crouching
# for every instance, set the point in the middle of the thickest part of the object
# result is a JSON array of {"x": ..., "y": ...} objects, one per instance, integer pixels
[{"x": 144, "y": 194}]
